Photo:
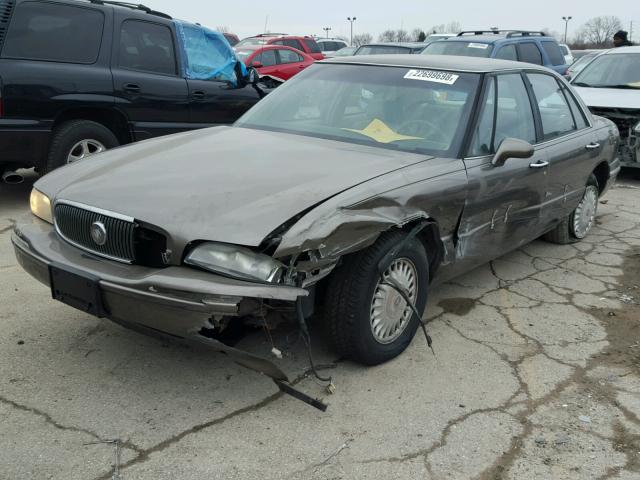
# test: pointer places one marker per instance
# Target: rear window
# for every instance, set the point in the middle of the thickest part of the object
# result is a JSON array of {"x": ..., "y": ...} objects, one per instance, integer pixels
[
  {"x": 312, "y": 45},
  {"x": 381, "y": 50},
  {"x": 466, "y": 49},
  {"x": 53, "y": 32},
  {"x": 553, "y": 52}
]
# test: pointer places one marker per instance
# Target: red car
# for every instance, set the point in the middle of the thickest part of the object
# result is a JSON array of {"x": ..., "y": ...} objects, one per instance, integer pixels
[
  {"x": 277, "y": 61},
  {"x": 305, "y": 44}
]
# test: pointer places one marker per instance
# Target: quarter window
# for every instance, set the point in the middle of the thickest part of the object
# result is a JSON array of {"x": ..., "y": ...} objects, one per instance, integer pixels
[
  {"x": 59, "y": 33},
  {"x": 528, "y": 52},
  {"x": 508, "y": 52},
  {"x": 555, "y": 113},
  {"x": 147, "y": 47},
  {"x": 578, "y": 114}
]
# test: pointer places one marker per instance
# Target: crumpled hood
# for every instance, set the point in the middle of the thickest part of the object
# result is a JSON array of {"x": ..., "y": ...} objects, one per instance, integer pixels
[
  {"x": 226, "y": 184},
  {"x": 609, "y": 97}
]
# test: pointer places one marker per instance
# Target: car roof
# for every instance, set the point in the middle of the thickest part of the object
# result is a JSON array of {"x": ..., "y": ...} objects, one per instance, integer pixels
[
  {"x": 438, "y": 62},
  {"x": 130, "y": 7},
  {"x": 492, "y": 38},
  {"x": 394, "y": 44},
  {"x": 615, "y": 51}
]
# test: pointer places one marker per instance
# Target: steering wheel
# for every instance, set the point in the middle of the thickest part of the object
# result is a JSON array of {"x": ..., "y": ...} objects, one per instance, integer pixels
[{"x": 441, "y": 135}]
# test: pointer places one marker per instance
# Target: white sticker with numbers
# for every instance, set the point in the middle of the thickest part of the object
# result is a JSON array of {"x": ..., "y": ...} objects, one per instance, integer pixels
[{"x": 432, "y": 76}]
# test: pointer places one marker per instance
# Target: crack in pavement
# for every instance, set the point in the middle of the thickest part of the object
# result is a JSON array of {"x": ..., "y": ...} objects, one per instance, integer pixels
[{"x": 12, "y": 225}]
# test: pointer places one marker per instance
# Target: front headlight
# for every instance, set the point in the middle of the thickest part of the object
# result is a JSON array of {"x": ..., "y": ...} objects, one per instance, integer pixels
[
  {"x": 41, "y": 206},
  {"x": 236, "y": 262}
]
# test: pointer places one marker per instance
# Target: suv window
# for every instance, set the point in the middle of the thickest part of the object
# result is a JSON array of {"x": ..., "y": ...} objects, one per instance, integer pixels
[
  {"x": 287, "y": 56},
  {"x": 528, "y": 52},
  {"x": 555, "y": 113},
  {"x": 49, "y": 31},
  {"x": 293, "y": 43},
  {"x": 147, "y": 47},
  {"x": 508, "y": 52},
  {"x": 511, "y": 108},
  {"x": 313, "y": 46},
  {"x": 553, "y": 52}
]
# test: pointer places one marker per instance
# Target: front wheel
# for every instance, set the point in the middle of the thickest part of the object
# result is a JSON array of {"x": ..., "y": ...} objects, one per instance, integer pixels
[
  {"x": 365, "y": 318},
  {"x": 578, "y": 223}
]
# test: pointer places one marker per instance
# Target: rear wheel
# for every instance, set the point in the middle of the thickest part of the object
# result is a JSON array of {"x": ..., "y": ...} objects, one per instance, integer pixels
[
  {"x": 365, "y": 318},
  {"x": 578, "y": 223},
  {"x": 76, "y": 140}
]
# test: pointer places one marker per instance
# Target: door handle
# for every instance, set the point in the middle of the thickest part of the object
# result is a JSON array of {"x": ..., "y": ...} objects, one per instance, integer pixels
[
  {"x": 198, "y": 94},
  {"x": 539, "y": 164},
  {"x": 592, "y": 146},
  {"x": 131, "y": 87},
  {"x": 302, "y": 66}
]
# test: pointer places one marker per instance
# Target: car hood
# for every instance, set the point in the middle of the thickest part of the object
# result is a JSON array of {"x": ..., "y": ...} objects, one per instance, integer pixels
[
  {"x": 609, "y": 97},
  {"x": 226, "y": 184}
]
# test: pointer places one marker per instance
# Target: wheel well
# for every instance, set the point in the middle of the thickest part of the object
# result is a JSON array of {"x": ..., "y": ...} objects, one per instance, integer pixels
[
  {"x": 113, "y": 120},
  {"x": 430, "y": 238},
  {"x": 601, "y": 172}
]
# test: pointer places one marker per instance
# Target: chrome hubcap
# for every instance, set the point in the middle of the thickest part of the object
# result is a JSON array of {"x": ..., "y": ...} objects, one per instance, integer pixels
[
  {"x": 390, "y": 314},
  {"x": 84, "y": 149},
  {"x": 585, "y": 212}
]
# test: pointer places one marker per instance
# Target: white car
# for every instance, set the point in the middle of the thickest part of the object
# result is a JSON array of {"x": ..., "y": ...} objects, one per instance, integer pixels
[
  {"x": 568, "y": 56},
  {"x": 330, "y": 45},
  {"x": 610, "y": 86}
]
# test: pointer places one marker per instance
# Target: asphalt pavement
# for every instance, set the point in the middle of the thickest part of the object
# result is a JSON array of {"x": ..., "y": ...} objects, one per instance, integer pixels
[{"x": 536, "y": 375}]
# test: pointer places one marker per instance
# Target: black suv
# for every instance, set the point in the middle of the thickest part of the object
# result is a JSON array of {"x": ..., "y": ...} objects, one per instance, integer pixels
[{"x": 79, "y": 77}]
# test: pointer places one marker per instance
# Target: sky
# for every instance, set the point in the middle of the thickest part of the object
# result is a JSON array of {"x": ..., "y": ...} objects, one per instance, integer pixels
[{"x": 248, "y": 17}]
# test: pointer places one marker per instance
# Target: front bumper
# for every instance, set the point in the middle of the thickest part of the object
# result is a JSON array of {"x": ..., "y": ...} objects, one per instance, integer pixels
[{"x": 178, "y": 301}]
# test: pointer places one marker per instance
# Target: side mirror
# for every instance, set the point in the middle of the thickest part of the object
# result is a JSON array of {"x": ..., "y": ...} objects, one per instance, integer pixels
[
  {"x": 512, "y": 148},
  {"x": 253, "y": 76},
  {"x": 256, "y": 64}
]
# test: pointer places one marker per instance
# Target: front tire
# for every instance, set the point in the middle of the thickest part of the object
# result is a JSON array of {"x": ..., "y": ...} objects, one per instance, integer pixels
[
  {"x": 76, "y": 140},
  {"x": 365, "y": 319},
  {"x": 578, "y": 223}
]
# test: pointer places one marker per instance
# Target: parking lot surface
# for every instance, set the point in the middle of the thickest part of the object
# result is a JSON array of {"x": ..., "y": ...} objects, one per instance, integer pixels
[{"x": 535, "y": 376}]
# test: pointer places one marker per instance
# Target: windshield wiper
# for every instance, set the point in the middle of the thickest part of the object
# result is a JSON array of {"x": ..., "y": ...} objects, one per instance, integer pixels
[
  {"x": 581, "y": 84},
  {"x": 622, "y": 85}
]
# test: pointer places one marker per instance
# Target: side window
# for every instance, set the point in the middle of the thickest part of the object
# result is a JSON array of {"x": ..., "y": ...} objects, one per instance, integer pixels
[
  {"x": 313, "y": 46},
  {"x": 528, "y": 52},
  {"x": 508, "y": 102},
  {"x": 287, "y": 56},
  {"x": 54, "y": 32},
  {"x": 483, "y": 132},
  {"x": 147, "y": 47},
  {"x": 268, "y": 58},
  {"x": 293, "y": 44},
  {"x": 508, "y": 52},
  {"x": 578, "y": 114},
  {"x": 555, "y": 113},
  {"x": 553, "y": 52}
]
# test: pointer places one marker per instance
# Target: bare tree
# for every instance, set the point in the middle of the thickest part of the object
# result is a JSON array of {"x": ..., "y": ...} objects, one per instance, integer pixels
[
  {"x": 453, "y": 27},
  {"x": 387, "y": 36},
  {"x": 599, "y": 31},
  {"x": 362, "y": 39},
  {"x": 415, "y": 34},
  {"x": 438, "y": 28},
  {"x": 223, "y": 29},
  {"x": 402, "y": 35}
]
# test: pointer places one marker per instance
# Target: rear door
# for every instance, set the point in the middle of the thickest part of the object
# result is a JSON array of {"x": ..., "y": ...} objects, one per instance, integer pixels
[
  {"x": 289, "y": 63},
  {"x": 504, "y": 203},
  {"x": 147, "y": 80},
  {"x": 567, "y": 139}
]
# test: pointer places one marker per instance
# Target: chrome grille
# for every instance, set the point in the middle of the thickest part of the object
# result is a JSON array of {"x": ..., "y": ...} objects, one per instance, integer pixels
[{"x": 74, "y": 223}]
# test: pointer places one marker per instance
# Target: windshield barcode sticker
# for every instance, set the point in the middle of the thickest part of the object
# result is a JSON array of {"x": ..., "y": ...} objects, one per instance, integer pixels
[{"x": 432, "y": 76}]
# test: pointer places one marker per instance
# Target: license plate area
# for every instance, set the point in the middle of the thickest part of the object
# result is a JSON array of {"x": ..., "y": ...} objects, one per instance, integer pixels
[{"x": 77, "y": 289}]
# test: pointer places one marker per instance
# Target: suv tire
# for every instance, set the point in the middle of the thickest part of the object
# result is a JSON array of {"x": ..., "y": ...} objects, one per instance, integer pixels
[
  {"x": 349, "y": 316},
  {"x": 79, "y": 136}
]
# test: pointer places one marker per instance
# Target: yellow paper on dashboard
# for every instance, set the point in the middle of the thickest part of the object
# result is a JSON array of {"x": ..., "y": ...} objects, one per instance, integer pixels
[{"x": 381, "y": 132}]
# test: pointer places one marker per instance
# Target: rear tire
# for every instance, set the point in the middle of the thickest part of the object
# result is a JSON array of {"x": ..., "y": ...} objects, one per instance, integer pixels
[
  {"x": 76, "y": 136},
  {"x": 352, "y": 319},
  {"x": 578, "y": 223}
]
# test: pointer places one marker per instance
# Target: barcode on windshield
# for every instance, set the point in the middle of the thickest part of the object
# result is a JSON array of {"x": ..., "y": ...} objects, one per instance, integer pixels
[{"x": 432, "y": 76}]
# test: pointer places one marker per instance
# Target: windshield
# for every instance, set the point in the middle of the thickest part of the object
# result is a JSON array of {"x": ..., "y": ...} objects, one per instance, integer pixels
[
  {"x": 615, "y": 70},
  {"x": 381, "y": 50},
  {"x": 413, "y": 110},
  {"x": 465, "y": 49},
  {"x": 244, "y": 54},
  {"x": 577, "y": 66},
  {"x": 252, "y": 41}
]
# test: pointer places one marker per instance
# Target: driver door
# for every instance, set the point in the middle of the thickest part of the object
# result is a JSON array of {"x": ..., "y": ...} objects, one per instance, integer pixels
[{"x": 504, "y": 203}]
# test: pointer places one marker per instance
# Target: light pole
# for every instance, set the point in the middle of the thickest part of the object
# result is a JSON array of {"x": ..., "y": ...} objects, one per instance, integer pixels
[
  {"x": 326, "y": 29},
  {"x": 351, "y": 20},
  {"x": 566, "y": 25}
]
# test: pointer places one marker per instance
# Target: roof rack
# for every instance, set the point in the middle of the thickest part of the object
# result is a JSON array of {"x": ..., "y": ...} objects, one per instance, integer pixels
[
  {"x": 270, "y": 34},
  {"x": 134, "y": 6},
  {"x": 508, "y": 33}
]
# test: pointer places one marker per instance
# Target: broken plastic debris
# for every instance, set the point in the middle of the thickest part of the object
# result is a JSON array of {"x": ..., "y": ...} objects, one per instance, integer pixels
[
  {"x": 277, "y": 353},
  {"x": 584, "y": 418},
  {"x": 331, "y": 388}
]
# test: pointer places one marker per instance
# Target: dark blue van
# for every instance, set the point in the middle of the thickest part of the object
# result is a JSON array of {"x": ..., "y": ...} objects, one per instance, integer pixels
[{"x": 519, "y": 45}]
